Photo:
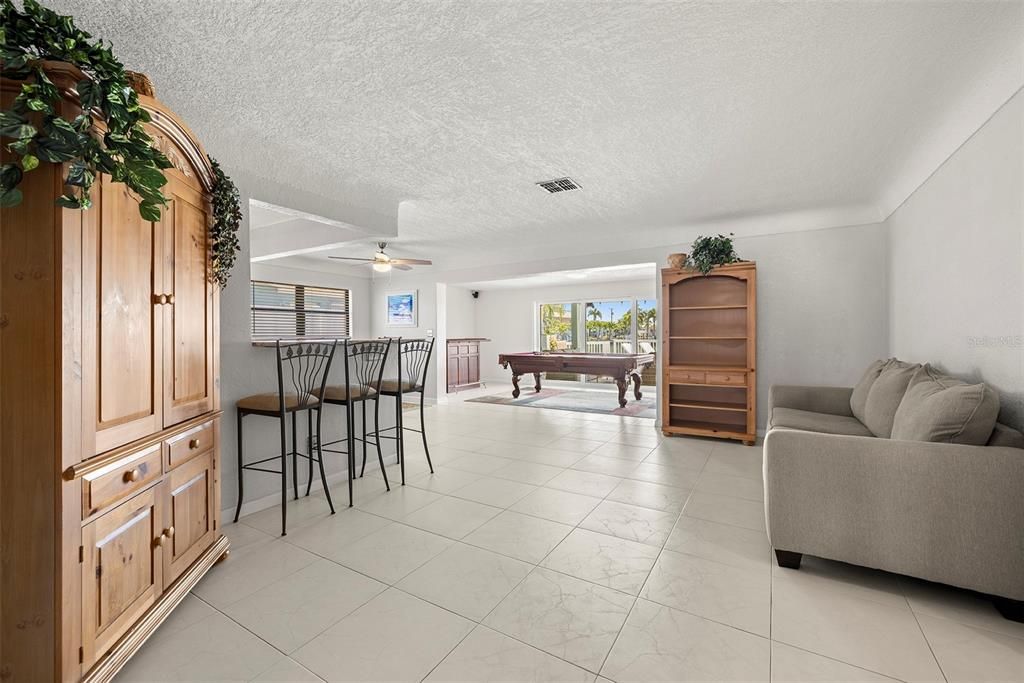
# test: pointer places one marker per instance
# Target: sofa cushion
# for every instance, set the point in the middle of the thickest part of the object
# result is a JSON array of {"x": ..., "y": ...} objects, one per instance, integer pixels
[
  {"x": 885, "y": 395},
  {"x": 1003, "y": 435},
  {"x": 940, "y": 408},
  {"x": 824, "y": 423},
  {"x": 859, "y": 397}
]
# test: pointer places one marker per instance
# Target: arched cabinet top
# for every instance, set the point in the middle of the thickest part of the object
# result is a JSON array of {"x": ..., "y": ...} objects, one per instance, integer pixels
[{"x": 170, "y": 134}]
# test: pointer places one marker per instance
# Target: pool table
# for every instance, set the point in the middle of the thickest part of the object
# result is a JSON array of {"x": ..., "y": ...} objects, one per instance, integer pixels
[{"x": 622, "y": 367}]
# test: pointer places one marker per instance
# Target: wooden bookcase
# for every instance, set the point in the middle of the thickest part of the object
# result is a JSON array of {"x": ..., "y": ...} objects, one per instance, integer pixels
[{"x": 709, "y": 342}]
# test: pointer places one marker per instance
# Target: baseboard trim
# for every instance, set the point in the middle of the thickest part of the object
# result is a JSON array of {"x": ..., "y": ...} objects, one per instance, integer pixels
[{"x": 272, "y": 499}]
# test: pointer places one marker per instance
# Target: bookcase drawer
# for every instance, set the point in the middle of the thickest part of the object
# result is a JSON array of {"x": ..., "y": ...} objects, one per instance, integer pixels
[{"x": 729, "y": 378}]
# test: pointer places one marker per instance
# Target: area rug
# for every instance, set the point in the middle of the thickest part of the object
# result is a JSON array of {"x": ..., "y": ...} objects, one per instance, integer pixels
[{"x": 578, "y": 401}]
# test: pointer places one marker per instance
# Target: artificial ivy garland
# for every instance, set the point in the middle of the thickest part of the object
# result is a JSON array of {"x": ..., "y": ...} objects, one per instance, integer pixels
[
  {"x": 124, "y": 151},
  {"x": 227, "y": 215}
]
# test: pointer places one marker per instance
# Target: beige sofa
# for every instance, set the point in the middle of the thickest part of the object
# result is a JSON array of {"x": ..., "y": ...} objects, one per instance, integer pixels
[{"x": 842, "y": 487}]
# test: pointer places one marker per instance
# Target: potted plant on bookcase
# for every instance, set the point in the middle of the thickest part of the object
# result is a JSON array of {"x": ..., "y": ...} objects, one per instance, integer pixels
[{"x": 708, "y": 252}]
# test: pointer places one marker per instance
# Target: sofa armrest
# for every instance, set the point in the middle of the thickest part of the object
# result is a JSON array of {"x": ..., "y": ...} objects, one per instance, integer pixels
[
  {"x": 832, "y": 400},
  {"x": 950, "y": 513}
]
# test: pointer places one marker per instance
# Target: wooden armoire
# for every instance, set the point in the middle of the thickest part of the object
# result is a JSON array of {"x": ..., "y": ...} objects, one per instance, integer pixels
[
  {"x": 109, "y": 411},
  {"x": 709, "y": 347}
]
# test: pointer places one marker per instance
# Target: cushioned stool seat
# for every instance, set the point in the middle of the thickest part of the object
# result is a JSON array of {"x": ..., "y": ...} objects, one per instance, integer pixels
[
  {"x": 271, "y": 403},
  {"x": 352, "y": 392}
]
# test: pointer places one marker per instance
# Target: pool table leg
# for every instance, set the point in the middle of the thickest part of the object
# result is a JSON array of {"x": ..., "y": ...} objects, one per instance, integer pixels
[
  {"x": 622, "y": 384},
  {"x": 515, "y": 385},
  {"x": 636, "y": 385},
  {"x": 536, "y": 377}
]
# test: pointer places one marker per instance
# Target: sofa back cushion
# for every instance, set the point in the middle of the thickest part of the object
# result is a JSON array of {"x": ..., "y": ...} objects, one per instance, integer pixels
[
  {"x": 885, "y": 395},
  {"x": 940, "y": 408},
  {"x": 1003, "y": 435},
  {"x": 859, "y": 397}
]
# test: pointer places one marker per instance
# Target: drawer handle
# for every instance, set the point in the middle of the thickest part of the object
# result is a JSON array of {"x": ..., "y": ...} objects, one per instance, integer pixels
[
  {"x": 133, "y": 474},
  {"x": 170, "y": 298},
  {"x": 159, "y": 298},
  {"x": 193, "y": 444},
  {"x": 169, "y": 532}
]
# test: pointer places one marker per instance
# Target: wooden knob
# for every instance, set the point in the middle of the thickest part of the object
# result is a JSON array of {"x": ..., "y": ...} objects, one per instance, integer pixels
[
  {"x": 170, "y": 298},
  {"x": 133, "y": 475},
  {"x": 161, "y": 539},
  {"x": 193, "y": 444},
  {"x": 159, "y": 298},
  {"x": 169, "y": 532}
]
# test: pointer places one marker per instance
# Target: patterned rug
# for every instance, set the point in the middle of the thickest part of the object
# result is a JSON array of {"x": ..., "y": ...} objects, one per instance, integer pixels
[{"x": 579, "y": 401}]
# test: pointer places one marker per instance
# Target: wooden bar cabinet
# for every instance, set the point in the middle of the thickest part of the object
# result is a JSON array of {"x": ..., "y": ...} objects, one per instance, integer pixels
[{"x": 109, "y": 411}]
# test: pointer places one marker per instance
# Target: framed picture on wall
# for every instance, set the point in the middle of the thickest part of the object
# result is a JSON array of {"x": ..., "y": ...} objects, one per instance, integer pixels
[{"x": 402, "y": 308}]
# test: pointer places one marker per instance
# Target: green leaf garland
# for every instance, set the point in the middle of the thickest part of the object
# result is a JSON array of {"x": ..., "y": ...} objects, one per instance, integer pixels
[
  {"x": 227, "y": 215},
  {"x": 37, "y": 133}
]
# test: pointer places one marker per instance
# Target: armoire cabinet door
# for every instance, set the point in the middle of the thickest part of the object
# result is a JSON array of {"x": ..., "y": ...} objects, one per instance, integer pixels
[
  {"x": 189, "y": 514},
  {"x": 122, "y": 570},
  {"x": 122, "y": 336},
  {"x": 188, "y": 315}
]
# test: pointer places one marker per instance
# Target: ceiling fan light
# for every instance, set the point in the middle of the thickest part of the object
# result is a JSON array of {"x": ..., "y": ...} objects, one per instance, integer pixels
[{"x": 382, "y": 267}]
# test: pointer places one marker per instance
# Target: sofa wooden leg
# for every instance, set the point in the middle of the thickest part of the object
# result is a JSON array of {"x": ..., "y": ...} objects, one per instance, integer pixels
[
  {"x": 1010, "y": 609},
  {"x": 787, "y": 559}
]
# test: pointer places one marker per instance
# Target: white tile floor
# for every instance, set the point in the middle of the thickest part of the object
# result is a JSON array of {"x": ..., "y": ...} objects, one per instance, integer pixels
[{"x": 556, "y": 546}]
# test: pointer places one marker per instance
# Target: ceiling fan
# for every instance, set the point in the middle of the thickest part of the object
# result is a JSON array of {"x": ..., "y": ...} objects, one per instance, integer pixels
[{"x": 382, "y": 263}]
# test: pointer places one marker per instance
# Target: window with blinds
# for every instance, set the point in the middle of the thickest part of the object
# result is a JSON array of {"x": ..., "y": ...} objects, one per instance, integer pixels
[{"x": 285, "y": 311}]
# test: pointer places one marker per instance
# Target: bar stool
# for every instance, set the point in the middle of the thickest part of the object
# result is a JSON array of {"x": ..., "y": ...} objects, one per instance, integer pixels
[
  {"x": 364, "y": 369},
  {"x": 413, "y": 361},
  {"x": 301, "y": 375}
]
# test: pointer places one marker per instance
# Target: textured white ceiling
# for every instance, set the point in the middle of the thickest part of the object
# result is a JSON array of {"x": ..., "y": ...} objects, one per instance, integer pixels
[
  {"x": 623, "y": 273},
  {"x": 445, "y": 113}
]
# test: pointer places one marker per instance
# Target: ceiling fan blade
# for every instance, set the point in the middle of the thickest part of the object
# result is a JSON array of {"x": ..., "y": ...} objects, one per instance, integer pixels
[
  {"x": 400, "y": 266},
  {"x": 411, "y": 262},
  {"x": 349, "y": 258}
]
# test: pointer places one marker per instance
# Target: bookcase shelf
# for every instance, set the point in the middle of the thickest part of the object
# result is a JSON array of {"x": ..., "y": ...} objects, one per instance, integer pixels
[{"x": 710, "y": 342}]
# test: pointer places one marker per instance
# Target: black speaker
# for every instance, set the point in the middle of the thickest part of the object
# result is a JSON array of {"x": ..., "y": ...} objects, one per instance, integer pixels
[{"x": 476, "y": 294}]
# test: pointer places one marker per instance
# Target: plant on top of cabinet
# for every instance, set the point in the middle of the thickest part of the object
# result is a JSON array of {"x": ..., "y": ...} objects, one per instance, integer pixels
[
  {"x": 227, "y": 214},
  {"x": 35, "y": 35},
  {"x": 708, "y": 252}
]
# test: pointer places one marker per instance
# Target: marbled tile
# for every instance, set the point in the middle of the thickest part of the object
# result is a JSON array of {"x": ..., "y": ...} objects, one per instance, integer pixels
[
  {"x": 391, "y": 553},
  {"x": 327, "y": 537},
  {"x": 631, "y": 522},
  {"x": 494, "y": 491},
  {"x": 723, "y": 543},
  {"x": 729, "y": 485},
  {"x": 600, "y": 464},
  {"x": 748, "y": 514},
  {"x": 451, "y": 517},
  {"x": 486, "y": 655},
  {"x": 559, "y": 506},
  {"x": 520, "y": 536},
  {"x": 648, "y": 495},
  {"x": 605, "y": 560},
  {"x": 792, "y": 665},
  {"x": 666, "y": 475},
  {"x": 966, "y": 653},
  {"x": 585, "y": 483},
  {"x": 466, "y": 580},
  {"x": 397, "y": 503},
  {"x": 294, "y": 610},
  {"x": 564, "y": 616},
  {"x": 394, "y": 637},
  {"x": 729, "y": 595},
  {"x": 250, "y": 569},
  {"x": 659, "y": 643},
  {"x": 444, "y": 480},
  {"x": 528, "y": 472}
]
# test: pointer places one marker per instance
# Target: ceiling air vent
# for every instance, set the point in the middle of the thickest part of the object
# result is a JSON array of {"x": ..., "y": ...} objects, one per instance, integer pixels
[{"x": 560, "y": 185}]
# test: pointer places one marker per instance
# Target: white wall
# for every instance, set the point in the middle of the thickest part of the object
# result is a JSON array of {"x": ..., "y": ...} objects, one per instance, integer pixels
[
  {"x": 462, "y": 312},
  {"x": 508, "y": 317},
  {"x": 822, "y": 301},
  {"x": 957, "y": 263}
]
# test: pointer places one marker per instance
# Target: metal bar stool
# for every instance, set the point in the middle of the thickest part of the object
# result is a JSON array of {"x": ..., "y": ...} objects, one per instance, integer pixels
[
  {"x": 413, "y": 361},
  {"x": 301, "y": 375},
  {"x": 364, "y": 369}
]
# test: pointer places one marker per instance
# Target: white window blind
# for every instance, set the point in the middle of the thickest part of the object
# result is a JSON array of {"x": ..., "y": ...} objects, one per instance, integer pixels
[{"x": 286, "y": 311}]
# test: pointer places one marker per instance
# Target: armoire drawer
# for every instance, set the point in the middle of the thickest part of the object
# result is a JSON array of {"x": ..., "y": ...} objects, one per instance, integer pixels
[
  {"x": 183, "y": 447},
  {"x": 120, "y": 479}
]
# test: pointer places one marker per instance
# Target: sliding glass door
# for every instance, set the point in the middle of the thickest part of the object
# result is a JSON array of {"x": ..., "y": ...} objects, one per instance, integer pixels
[{"x": 601, "y": 326}]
